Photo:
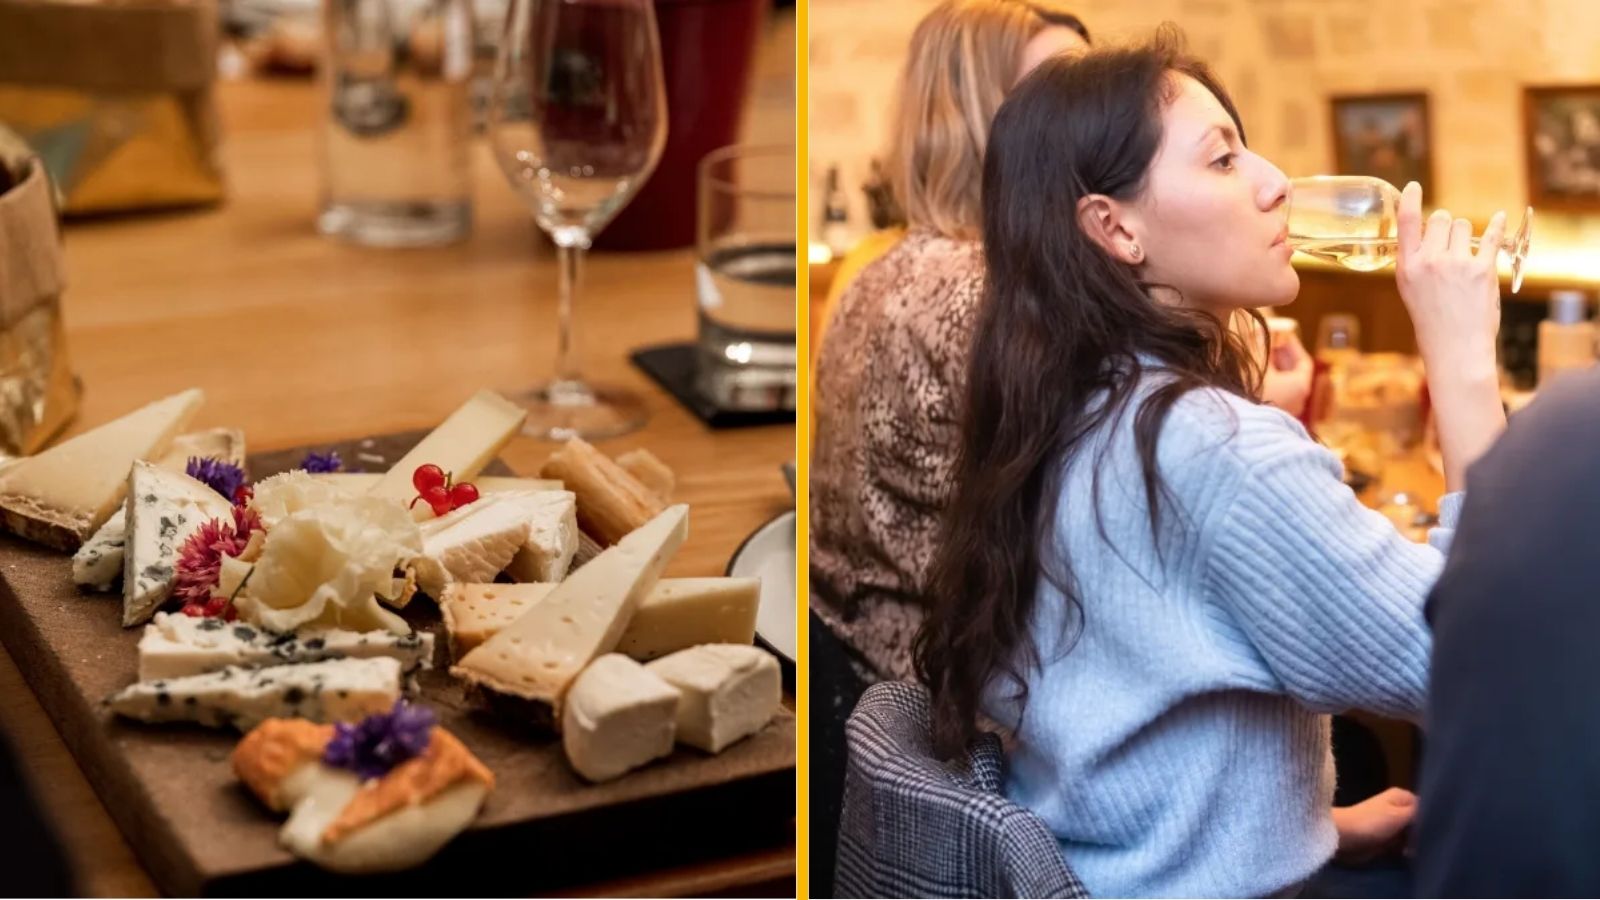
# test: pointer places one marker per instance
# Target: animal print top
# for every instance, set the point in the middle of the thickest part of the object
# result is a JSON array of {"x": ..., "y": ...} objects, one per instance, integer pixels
[{"x": 888, "y": 383}]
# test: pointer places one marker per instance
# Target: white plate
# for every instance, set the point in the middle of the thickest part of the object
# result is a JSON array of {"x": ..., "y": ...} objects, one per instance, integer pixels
[{"x": 768, "y": 554}]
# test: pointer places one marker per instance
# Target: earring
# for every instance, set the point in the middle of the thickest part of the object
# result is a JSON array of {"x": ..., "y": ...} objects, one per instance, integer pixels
[{"x": 1136, "y": 252}]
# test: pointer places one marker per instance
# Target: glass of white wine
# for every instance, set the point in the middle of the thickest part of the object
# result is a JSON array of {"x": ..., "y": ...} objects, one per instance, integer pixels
[{"x": 1353, "y": 221}]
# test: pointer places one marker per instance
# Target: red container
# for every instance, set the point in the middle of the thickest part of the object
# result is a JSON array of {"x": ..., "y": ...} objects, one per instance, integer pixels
[{"x": 708, "y": 50}]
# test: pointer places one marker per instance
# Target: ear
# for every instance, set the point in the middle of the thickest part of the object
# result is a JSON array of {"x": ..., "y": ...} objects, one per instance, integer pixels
[{"x": 1111, "y": 225}]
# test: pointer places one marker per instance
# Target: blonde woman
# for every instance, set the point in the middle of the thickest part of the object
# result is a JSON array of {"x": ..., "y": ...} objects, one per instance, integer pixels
[{"x": 889, "y": 370}]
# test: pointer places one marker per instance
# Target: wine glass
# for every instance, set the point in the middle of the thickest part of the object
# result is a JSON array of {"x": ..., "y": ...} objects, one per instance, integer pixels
[
  {"x": 1351, "y": 220},
  {"x": 577, "y": 120}
]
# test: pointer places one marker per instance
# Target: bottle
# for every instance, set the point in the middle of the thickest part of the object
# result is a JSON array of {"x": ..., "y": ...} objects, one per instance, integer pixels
[
  {"x": 835, "y": 215},
  {"x": 1566, "y": 337}
]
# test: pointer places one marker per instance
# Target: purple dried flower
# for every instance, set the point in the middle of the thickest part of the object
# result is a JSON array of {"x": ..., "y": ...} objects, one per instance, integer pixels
[
  {"x": 322, "y": 462},
  {"x": 381, "y": 741},
  {"x": 218, "y": 474}
]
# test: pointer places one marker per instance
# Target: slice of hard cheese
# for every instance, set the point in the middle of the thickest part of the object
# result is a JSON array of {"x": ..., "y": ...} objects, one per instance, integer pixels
[
  {"x": 618, "y": 716},
  {"x": 61, "y": 496},
  {"x": 163, "y": 509},
  {"x": 677, "y": 613},
  {"x": 226, "y": 444},
  {"x": 335, "y": 690},
  {"x": 462, "y": 445},
  {"x": 729, "y": 691},
  {"x": 98, "y": 563},
  {"x": 536, "y": 657}
]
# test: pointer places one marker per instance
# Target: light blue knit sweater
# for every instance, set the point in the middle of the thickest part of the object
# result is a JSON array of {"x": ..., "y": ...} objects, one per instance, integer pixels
[{"x": 1181, "y": 746}]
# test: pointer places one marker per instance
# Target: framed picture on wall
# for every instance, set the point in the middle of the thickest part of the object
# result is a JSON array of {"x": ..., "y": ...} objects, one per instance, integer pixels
[
  {"x": 1387, "y": 135},
  {"x": 1561, "y": 142}
]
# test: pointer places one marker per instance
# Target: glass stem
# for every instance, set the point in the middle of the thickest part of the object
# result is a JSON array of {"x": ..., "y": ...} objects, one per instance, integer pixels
[{"x": 569, "y": 250}]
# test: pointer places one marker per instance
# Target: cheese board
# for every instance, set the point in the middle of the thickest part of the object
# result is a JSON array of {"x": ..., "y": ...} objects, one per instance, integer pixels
[{"x": 175, "y": 790}]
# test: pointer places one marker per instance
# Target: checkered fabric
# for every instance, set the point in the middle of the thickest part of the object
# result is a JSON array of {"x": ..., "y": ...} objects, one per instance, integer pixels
[{"x": 915, "y": 827}]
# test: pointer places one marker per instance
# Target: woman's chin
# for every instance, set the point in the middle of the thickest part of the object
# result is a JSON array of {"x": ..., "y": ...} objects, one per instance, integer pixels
[{"x": 1284, "y": 287}]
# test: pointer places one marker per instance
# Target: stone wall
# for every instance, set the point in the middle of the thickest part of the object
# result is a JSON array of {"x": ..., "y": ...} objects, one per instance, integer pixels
[{"x": 1281, "y": 60}]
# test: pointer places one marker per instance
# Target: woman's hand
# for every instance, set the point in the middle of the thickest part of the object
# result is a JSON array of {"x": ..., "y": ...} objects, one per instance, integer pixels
[
  {"x": 1453, "y": 296},
  {"x": 1287, "y": 382},
  {"x": 1452, "y": 293},
  {"x": 1374, "y": 826}
]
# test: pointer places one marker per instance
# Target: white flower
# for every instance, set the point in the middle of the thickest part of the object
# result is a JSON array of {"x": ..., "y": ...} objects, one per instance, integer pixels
[{"x": 327, "y": 564}]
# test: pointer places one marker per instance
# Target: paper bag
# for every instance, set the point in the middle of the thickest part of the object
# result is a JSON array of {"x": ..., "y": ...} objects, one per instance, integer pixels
[
  {"x": 38, "y": 393},
  {"x": 116, "y": 98}
]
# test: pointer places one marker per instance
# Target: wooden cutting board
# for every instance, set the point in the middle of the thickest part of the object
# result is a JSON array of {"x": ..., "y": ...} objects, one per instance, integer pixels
[{"x": 173, "y": 794}]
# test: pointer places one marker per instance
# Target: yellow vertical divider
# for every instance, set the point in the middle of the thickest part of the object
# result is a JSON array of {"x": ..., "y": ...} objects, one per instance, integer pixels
[{"x": 802, "y": 314}]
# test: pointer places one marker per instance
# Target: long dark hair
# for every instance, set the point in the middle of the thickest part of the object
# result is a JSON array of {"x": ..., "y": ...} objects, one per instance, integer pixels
[{"x": 1061, "y": 342}]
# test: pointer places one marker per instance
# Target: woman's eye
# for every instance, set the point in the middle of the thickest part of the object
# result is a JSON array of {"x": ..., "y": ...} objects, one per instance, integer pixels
[{"x": 1224, "y": 162}]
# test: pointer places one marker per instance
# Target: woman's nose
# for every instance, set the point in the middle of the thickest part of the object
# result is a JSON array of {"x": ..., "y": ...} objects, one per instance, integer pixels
[{"x": 1273, "y": 186}]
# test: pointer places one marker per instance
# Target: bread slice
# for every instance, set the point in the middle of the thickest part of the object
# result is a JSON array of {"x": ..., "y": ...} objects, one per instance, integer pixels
[{"x": 60, "y": 496}]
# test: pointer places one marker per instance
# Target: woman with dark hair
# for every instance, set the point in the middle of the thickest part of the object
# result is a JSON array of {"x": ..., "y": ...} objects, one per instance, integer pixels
[{"x": 1158, "y": 584}]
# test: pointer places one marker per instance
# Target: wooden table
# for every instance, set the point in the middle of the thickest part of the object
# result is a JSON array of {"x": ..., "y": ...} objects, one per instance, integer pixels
[{"x": 298, "y": 339}]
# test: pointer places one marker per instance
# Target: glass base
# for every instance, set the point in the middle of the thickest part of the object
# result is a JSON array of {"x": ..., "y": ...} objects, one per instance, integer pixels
[
  {"x": 567, "y": 409},
  {"x": 398, "y": 223}
]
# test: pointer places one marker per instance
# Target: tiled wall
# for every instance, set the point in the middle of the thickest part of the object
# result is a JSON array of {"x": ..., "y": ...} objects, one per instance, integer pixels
[{"x": 1281, "y": 59}]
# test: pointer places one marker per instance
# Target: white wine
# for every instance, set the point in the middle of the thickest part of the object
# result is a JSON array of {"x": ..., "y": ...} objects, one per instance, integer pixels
[{"x": 1360, "y": 254}]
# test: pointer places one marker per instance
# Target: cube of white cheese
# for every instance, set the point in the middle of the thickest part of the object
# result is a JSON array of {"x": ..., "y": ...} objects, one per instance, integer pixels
[
  {"x": 336, "y": 690},
  {"x": 618, "y": 716},
  {"x": 729, "y": 691},
  {"x": 175, "y": 645}
]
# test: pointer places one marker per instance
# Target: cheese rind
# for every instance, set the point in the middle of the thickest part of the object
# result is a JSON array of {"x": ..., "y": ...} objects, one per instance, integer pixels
[
  {"x": 537, "y": 657},
  {"x": 676, "y": 614},
  {"x": 336, "y": 690},
  {"x": 462, "y": 445},
  {"x": 729, "y": 691},
  {"x": 176, "y": 646},
  {"x": 61, "y": 496},
  {"x": 164, "y": 508},
  {"x": 617, "y": 717}
]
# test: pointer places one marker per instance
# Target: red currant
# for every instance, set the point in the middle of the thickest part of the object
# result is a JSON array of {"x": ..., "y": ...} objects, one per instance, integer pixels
[
  {"x": 463, "y": 493},
  {"x": 438, "y": 498},
  {"x": 427, "y": 477},
  {"x": 194, "y": 608},
  {"x": 216, "y": 606}
]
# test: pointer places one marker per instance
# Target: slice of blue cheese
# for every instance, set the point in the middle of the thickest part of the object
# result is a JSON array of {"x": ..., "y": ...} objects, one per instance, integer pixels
[
  {"x": 175, "y": 646},
  {"x": 98, "y": 563},
  {"x": 335, "y": 690},
  {"x": 163, "y": 509}
]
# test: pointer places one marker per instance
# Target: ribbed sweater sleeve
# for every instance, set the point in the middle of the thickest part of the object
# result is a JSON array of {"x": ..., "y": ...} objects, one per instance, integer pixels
[{"x": 1326, "y": 593}]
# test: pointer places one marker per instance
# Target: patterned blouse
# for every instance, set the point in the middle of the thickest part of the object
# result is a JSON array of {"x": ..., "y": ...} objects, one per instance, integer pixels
[{"x": 888, "y": 384}]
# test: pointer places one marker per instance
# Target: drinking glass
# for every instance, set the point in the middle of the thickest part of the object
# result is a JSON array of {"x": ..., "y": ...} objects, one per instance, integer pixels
[
  {"x": 577, "y": 120},
  {"x": 396, "y": 130},
  {"x": 745, "y": 279},
  {"x": 1351, "y": 220}
]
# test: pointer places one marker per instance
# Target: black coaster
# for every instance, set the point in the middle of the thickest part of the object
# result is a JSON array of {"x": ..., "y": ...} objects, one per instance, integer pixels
[{"x": 673, "y": 367}]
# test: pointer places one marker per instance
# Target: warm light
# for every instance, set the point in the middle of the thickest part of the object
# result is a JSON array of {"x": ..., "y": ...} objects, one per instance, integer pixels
[{"x": 820, "y": 253}]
